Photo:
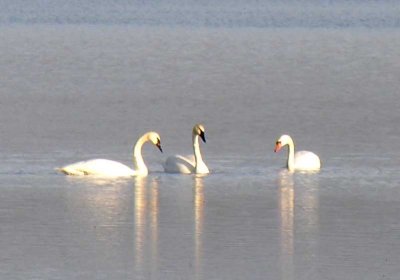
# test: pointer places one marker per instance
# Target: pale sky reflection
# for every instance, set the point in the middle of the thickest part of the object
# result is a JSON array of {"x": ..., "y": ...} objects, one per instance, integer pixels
[
  {"x": 299, "y": 206},
  {"x": 146, "y": 223},
  {"x": 286, "y": 206},
  {"x": 198, "y": 191}
]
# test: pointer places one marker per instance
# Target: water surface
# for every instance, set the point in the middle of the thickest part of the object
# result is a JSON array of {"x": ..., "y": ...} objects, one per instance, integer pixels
[{"x": 74, "y": 92}]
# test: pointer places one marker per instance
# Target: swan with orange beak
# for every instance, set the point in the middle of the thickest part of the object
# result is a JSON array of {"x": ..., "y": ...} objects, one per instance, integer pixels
[{"x": 302, "y": 160}]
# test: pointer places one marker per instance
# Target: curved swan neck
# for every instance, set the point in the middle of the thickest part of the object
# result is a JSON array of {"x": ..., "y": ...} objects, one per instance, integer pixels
[
  {"x": 290, "y": 162},
  {"x": 138, "y": 163},
  {"x": 200, "y": 166},
  {"x": 196, "y": 148}
]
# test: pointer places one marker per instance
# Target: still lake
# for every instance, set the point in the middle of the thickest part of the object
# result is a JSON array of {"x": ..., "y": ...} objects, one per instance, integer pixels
[{"x": 82, "y": 91}]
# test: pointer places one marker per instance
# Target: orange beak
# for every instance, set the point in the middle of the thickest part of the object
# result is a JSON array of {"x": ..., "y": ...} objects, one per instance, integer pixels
[{"x": 278, "y": 146}]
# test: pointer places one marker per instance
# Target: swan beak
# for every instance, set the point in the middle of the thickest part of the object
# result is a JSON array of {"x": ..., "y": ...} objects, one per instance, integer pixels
[
  {"x": 202, "y": 136},
  {"x": 278, "y": 146},
  {"x": 159, "y": 146}
]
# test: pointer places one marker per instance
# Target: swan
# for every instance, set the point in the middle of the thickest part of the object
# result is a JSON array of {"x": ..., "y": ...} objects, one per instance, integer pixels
[
  {"x": 302, "y": 160},
  {"x": 110, "y": 168},
  {"x": 189, "y": 164}
]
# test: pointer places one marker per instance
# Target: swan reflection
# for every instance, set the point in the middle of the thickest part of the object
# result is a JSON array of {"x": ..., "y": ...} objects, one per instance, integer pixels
[
  {"x": 198, "y": 205},
  {"x": 286, "y": 206},
  {"x": 307, "y": 198},
  {"x": 299, "y": 206},
  {"x": 146, "y": 222}
]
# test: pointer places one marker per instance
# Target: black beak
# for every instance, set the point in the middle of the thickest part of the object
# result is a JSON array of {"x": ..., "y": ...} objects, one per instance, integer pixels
[
  {"x": 202, "y": 136},
  {"x": 159, "y": 146}
]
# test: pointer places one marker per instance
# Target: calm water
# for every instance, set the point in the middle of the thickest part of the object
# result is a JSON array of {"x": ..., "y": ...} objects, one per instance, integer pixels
[{"x": 75, "y": 86}]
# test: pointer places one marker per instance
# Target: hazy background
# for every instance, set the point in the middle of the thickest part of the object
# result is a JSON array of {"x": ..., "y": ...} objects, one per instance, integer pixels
[{"x": 84, "y": 79}]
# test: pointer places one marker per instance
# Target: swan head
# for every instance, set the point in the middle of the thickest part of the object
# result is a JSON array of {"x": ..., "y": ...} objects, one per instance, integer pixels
[
  {"x": 282, "y": 141},
  {"x": 198, "y": 129},
  {"x": 155, "y": 139}
]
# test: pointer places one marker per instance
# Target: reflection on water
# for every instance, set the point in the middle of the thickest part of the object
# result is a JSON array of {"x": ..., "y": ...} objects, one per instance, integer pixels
[
  {"x": 98, "y": 180},
  {"x": 103, "y": 203},
  {"x": 198, "y": 205},
  {"x": 307, "y": 222},
  {"x": 286, "y": 206},
  {"x": 154, "y": 213},
  {"x": 309, "y": 198},
  {"x": 299, "y": 206},
  {"x": 146, "y": 223},
  {"x": 140, "y": 220},
  {"x": 146, "y": 231}
]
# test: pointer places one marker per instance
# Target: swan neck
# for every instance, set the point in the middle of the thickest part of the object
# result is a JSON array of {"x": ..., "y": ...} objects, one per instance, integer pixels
[
  {"x": 290, "y": 163},
  {"x": 138, "y": 163},
  {"x": 196, "y": 149},
  {"x": 200, "y": 166}
]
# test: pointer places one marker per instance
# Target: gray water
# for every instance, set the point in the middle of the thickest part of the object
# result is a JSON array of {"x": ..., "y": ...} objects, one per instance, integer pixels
[{"x": 77, "y": 91}]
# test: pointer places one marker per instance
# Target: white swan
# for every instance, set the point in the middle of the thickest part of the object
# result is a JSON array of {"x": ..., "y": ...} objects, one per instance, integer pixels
[
  {"x": 302, "y": 160},
  {"x": 189, "y": 164},
  {"x": 110, "y": 168}
]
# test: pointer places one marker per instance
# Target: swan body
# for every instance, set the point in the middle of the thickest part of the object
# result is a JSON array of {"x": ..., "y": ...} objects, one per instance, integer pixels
[
  {"x": 99, "y": 167},
  {"x": 110, "y": 168},
  {"x": 302, "y": 160},
  {"x": 190, "y": 164}
]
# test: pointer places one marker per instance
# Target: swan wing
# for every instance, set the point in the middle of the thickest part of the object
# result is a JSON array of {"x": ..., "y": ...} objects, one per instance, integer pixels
[
  {"x": 179, "y": 164},
  {"x": 98, "y": 167},
  {"x": 305, "y": 160}
]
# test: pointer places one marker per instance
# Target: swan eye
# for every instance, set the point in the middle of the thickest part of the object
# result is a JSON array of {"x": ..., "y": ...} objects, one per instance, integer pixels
[{"x": 278, "y": 142}]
